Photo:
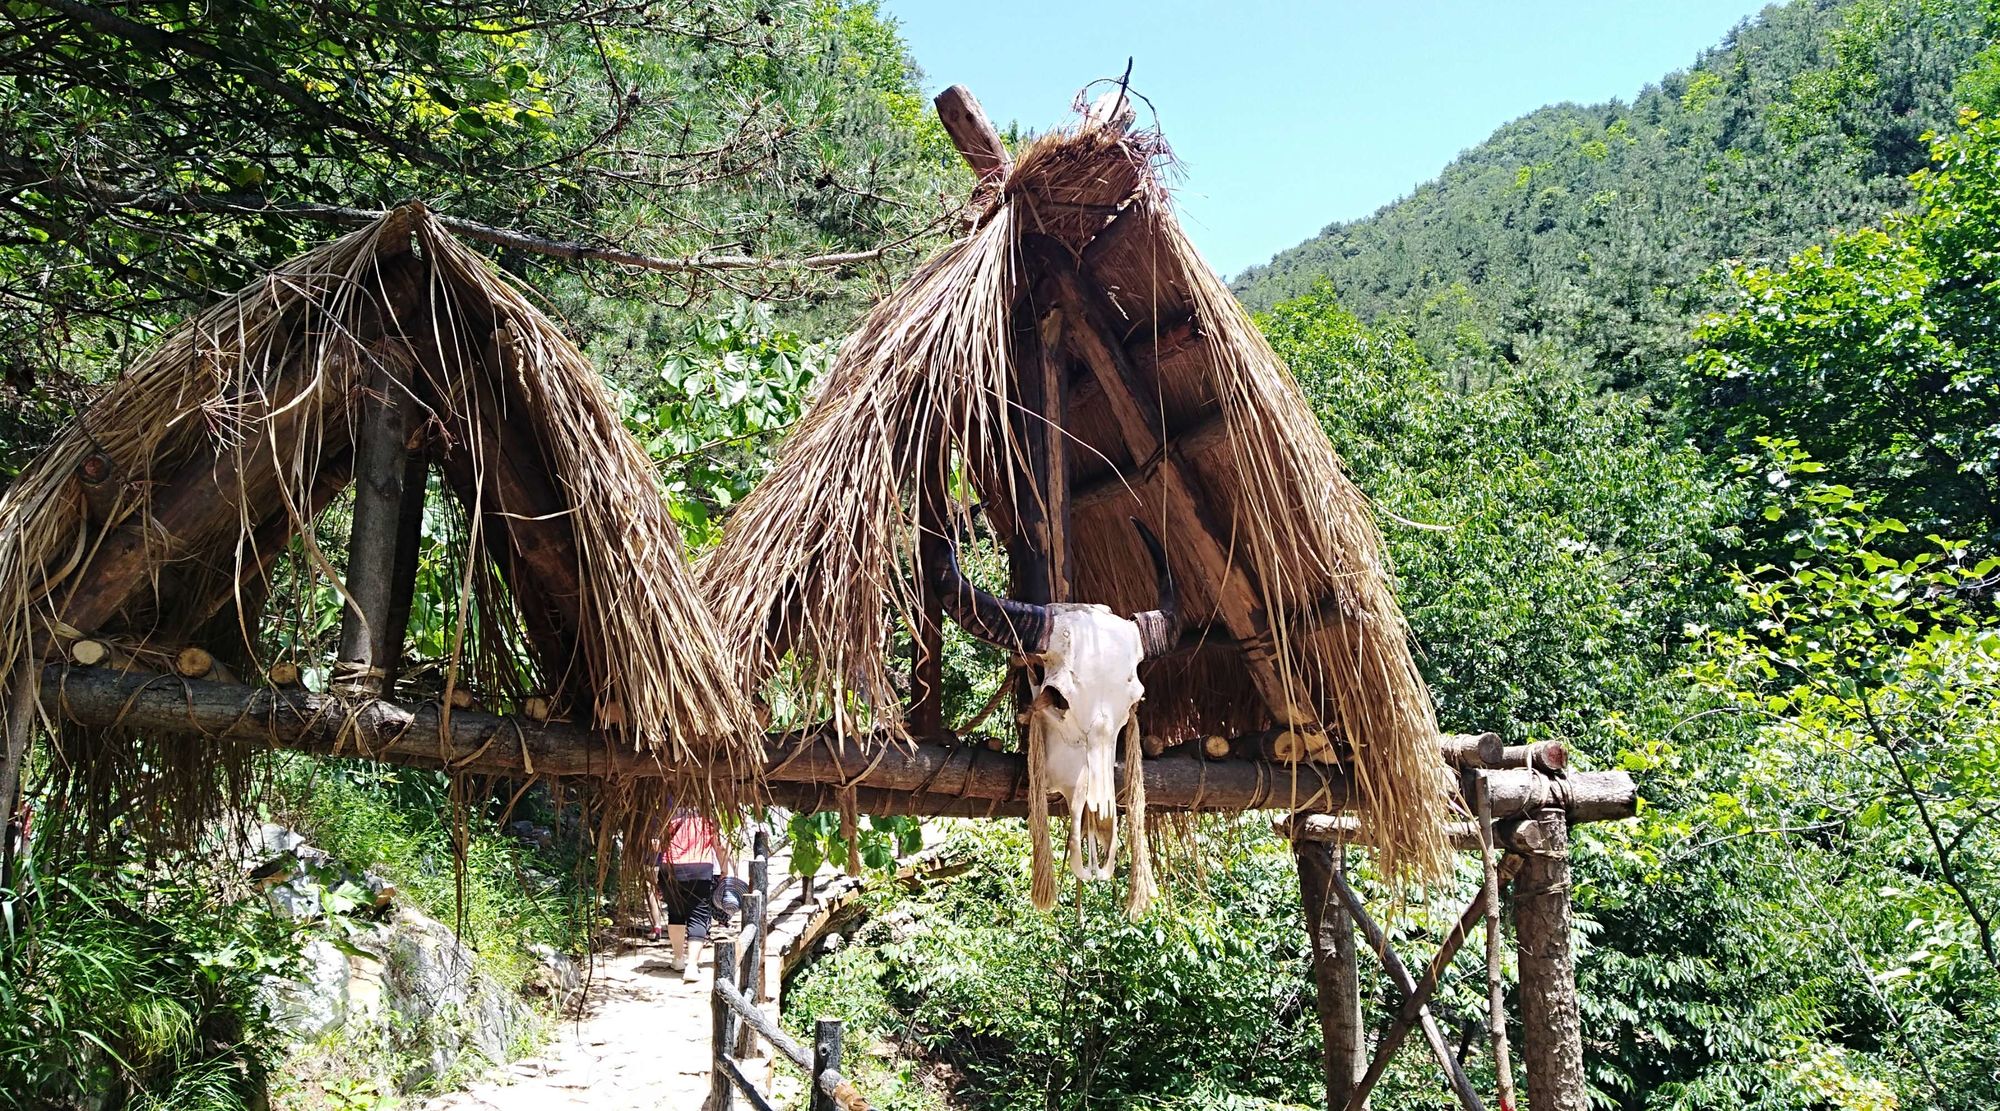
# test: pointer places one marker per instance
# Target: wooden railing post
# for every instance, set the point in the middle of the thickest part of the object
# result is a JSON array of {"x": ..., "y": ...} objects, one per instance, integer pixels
[
  {"x": 722, "y": 1036},
  {"x": 826, "y": 1058},
  {"x": 753, "y": 964},
  {"x": 1551, "y": 1017}
]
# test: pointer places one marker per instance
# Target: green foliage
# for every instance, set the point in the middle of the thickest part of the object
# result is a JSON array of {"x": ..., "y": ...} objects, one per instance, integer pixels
[
  {"x": 501, "y": 897},
  {"x": 1876, "y": 352},
  {"x": 139, "y": 984},
  {"x": 1590, "y": 228},
  {"x": 167, "y": 151},
  {"x": 1549, "y": 540},
  {"x": 1082, "y": 1006},
  {"x": 816, "y": 839}
]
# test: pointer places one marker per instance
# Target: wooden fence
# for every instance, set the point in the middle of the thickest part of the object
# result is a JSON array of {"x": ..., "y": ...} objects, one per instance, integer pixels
[{"x": 740, "y": 988}]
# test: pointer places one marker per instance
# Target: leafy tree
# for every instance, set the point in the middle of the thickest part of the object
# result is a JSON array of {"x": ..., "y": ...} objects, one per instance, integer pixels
[
  {"x": 1591, "y": 227},
  {"x": 1875, "y": 353},
  {"x": 159, "y": 153}
]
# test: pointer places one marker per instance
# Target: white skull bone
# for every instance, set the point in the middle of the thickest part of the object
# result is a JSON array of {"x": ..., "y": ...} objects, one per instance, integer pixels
[{"x": 1088, "y": 692}]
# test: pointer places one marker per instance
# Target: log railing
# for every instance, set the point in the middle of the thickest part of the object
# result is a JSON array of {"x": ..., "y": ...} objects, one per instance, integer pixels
[{"x": 739, "y": 1017}]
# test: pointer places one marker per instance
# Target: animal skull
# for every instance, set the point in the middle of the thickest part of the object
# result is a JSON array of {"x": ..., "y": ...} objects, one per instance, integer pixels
[{"x": 1087, "y": 691}]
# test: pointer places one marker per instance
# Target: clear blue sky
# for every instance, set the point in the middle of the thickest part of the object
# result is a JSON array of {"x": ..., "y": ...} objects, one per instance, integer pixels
[{"x": 1291, "y": 116}]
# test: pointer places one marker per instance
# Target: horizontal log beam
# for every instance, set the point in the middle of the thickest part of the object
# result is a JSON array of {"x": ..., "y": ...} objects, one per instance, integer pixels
[
  {"x": 936, "y": 778},
  {"x": 1513, "y": 835}
]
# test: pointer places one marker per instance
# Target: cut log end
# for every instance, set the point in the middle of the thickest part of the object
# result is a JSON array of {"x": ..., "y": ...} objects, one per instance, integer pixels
[
  {"x": 193, "y": 662},
  {"x": 284, "y": 673},
  {"x": 460, "y": 698},
  {"x": 1215, "y": 747},
  {"x": 90, "y": 653},
  {"x": 1153, "y": 745},
  {"x": 535, "y": 708}
]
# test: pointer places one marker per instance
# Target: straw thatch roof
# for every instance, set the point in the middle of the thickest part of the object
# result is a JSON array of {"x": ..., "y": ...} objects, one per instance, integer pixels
[
  {"x": 180, "y": 508},
  {"x": 1171, "y": 407}
]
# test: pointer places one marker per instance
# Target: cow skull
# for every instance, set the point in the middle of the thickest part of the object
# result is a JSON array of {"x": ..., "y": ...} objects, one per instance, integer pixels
[{"x": 1087, "y": 690}]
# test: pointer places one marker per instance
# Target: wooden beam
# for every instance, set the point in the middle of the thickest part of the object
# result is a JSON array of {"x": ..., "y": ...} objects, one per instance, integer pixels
[
  {"x": 200, "y": 499},
  {"x": 1189, "y": 444},
  {"x": 490, "y": 744},
  {"x": 1514, "y": 835},
  {"x": 1136, "y": 407},
  {"x": 973, "y": 134}
]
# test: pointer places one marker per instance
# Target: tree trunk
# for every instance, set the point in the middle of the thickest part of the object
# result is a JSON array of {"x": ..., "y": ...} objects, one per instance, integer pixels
[
  {"x": 1551, "y": 1021},
  {"x": 1335, "y": 971}
]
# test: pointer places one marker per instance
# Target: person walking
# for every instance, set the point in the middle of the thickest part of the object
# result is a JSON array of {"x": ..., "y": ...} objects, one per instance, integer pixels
[{"x": 696, "y": 855}]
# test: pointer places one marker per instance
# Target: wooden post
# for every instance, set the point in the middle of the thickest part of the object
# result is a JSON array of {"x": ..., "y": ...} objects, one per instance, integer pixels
[
  {"x": 753, "y": 964},
  {"x": 1496, "y": 993},
  {"x": 1551, "y": 1018},
  {"x": 826, "y": 1058},
  {"x": 973, "y": 134},
  {"x": 403, "y": 579},
  {"x": 1336, "y": 972},
  {"x": 722, "y": 1034},
  {"x": 379, "y": 458}
]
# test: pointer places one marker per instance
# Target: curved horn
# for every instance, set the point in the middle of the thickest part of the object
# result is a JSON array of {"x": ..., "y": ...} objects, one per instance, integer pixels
[
  {"x": 1003, "y": 622},
  {"x": 1159, "y": 629}
]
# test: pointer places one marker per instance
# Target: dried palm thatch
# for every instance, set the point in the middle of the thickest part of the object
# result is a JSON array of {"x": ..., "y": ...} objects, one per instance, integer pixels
[
  {"x": 165, "y": 514},
  {"x": 1078, "y": 258}
]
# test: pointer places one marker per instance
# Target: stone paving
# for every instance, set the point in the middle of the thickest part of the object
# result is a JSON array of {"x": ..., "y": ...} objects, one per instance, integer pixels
[{"x": 641, "y": 1043}]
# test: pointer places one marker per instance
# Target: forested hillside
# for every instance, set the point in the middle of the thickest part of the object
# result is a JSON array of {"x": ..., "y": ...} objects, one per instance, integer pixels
[{"x": 1588, "y": 232}]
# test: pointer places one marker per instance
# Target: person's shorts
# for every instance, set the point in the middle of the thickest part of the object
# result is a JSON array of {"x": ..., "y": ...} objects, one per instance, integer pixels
[{"x": 687, "y": 902}]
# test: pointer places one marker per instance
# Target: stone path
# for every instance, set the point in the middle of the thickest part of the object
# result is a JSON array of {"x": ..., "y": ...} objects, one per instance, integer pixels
[
  {"x": 643, "y": 1039},
  {"x": 642, "y": 1042}
]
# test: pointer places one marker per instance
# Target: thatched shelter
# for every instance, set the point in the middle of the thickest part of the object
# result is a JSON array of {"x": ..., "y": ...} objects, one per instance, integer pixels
[
  {"x": 1075, "y": 361},
  {"x": 180, "y": 523}
]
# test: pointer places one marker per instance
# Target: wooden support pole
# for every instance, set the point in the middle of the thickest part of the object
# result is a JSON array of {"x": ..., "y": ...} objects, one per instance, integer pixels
[
  {"x": 722, "y": 1029},
  {"x": 1414, "y": 997},
  {"x": 926, "y": 716},
  {"x": 973, "y": 134},
  {"x": 1496, "y": 993},
  {"x": 1336, "y": 970},
  {"x": 826, "y": 1062},
  {"x": 409, "y": 553},
  {"x": 1408, "y": 1014},
  {"x": 751, "y": 972},
  {"x": 1551, "y": 1016},
  {"x": 379, "y": 465}
]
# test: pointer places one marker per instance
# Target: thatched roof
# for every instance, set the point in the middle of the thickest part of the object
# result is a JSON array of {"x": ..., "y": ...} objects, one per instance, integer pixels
[
  {"x": 1174, "y": 410},
  {"x": 159, "y": 518}
]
